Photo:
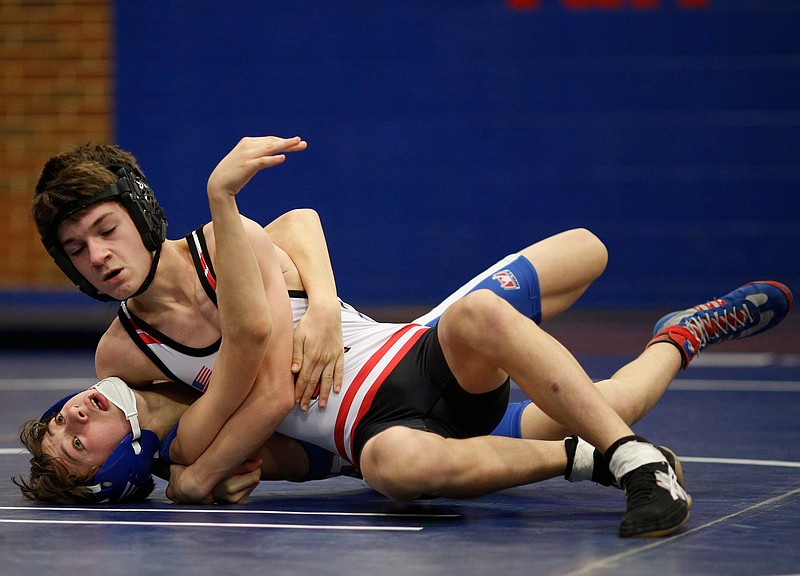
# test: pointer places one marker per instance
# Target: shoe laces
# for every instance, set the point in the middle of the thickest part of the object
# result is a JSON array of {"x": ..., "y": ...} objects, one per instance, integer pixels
[
  {"x": 709, "y": 324},
  {"x": 639, "y": 489}
]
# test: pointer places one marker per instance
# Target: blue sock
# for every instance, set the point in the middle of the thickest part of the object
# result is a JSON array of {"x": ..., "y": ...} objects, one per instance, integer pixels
[
  {"x": 319, "y": 461},
  {"x": 511, "y": 424}
]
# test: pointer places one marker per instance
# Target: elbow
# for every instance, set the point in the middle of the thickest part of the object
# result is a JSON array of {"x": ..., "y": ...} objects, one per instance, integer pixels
[
  {"x": 250, "y": 337},
  {"x": 277, "y": 395},
  {"x": 303, "y": 215},
  {"x": 300, "y": 220},
  {"x": 260, "y": 330},
  {"x": 258, "y": 324},
  {"x": 283, "y": 404},
  {"x": 275, "y": 403}
]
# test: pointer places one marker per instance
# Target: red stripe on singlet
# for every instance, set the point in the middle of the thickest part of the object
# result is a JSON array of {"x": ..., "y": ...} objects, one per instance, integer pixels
[
  {"x": 207, "y": 271},
  {"x": 352, "y": 391},
  {"x": 146, "y": 338},
  {"x": 367, "y": 403},
  {"x": 143, "y": 336}
]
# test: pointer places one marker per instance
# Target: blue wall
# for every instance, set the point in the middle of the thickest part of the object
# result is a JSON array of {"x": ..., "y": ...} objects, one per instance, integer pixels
[{"x": 444, "y": 134}]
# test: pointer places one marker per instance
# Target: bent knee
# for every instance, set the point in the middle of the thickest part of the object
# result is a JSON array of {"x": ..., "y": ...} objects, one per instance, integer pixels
[
  {"x": 479, "y": 313},
  {"x": 400, "y": 463},
  {"x": 592, "y": 248}
]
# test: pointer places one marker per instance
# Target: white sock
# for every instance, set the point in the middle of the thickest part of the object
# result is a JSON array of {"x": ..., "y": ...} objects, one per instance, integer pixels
[
  {"x": 632, "y": 455},
  {"x": 583, "y": 464}
]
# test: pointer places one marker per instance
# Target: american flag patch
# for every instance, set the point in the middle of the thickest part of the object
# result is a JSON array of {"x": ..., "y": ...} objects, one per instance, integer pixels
[{"x": 201, "y": 380}]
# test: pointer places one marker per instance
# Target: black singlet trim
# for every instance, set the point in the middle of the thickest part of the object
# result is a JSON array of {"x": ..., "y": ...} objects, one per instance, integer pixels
[
  {"x": 212, "y": 294},
  {"x": 131, "y": 330},
  {"x": 161, "y": 337},
  {"x": 198, "y": 267}
]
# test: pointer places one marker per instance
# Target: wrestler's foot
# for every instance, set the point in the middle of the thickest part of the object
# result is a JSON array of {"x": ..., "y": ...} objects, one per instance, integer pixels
[
  {"x": 585, "y": 462},
  {"x": 748, "y": 310},
  {"x": 657, "y": 504}
]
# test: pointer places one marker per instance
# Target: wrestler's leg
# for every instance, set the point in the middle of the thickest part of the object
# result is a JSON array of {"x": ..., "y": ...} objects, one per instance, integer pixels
[
  {"x": 483, "y": 338},
  {"x": 566, "y": 264},
  {"x": 632, "y": 392},
  {"x": 404, "y": 464},
  {"x": 540, "y": 281}
]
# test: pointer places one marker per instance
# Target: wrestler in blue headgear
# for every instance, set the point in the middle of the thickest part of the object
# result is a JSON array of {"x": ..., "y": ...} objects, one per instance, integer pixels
[{"x": 126, "y": 474}]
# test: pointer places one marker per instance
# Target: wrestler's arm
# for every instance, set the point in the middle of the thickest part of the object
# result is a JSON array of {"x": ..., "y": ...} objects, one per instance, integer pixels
[
  {"x": 249, "y": 277},
  {"x": 271, "y": 396},
  {"x": 280, "y": 458},
  {"x": 318, "y": 352}
]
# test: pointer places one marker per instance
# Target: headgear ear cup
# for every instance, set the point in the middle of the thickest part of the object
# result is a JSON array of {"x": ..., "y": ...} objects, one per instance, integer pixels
[
  {"x": 140, "y": 201},
  {"x": 126, "y": 476}
]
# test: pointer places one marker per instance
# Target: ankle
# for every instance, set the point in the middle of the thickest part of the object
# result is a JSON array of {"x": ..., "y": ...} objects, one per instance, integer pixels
[
  {"x": 630, "y": 453},
  {"x": 682, "y": 339},
  {"x": 580, "y": 459}
]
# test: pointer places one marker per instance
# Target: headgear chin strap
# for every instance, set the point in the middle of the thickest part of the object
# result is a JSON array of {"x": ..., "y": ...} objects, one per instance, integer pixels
[
  {"x": 133, "y": 192},
  {"x": 122, "y": 397},
  {"x": 126, "y": 475}
]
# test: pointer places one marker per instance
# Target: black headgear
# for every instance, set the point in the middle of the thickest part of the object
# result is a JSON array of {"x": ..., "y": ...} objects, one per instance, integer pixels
[{"x": 133, "y": 192}]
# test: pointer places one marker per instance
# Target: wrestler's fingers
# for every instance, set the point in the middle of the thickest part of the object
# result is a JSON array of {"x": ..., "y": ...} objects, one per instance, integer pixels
[
  {"x": 302, "y": 380},
  {"x": 273, "y": 144},
  {"x": 235, "y": 489},
  {"x": 310, "y": 376},
  {"x": 338, "y": 374},
  {"x": 326, "y": 383},
  {"x": 297, "y": 353},
  {"x": 249, "y": 466}
]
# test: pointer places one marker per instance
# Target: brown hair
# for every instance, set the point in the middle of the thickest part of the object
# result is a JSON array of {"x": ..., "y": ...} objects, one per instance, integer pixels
[
  {"x": 49, "y": 479},
  {"x": 78, "y": 173}
]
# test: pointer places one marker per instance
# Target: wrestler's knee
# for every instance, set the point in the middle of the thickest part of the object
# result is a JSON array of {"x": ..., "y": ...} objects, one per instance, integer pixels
[
  {"x": 400, "y": 463},
  {"x": 591, "y": 248},
  {"x": 557, "y": 257},
  {"x": 477, "y": 315}
]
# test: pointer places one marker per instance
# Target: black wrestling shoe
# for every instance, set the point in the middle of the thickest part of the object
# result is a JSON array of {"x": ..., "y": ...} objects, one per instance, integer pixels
[{"x": 657, "y": 503}]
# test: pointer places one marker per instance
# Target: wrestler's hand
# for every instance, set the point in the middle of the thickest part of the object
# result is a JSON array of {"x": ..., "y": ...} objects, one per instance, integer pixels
[
  {"x": 318, "y": 355},
  {"x": 182, "y": 489},
  {"x": 237, "y": 487},
  {"x": 247, "y": 158}
]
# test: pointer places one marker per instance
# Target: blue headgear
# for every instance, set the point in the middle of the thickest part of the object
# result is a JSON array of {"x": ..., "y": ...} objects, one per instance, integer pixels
[
  {"x": 126, "y": 473},
  {"x": 132, "y": 190}
]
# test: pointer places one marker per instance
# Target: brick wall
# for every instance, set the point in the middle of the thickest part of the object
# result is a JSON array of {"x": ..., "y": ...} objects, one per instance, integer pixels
[{"x": 55, "y": 92}]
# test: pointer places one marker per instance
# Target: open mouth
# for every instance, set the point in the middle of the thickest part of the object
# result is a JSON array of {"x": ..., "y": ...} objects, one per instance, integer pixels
[
  {"x": 98, "y": 401},
  {"x": 112, "y": 274}
]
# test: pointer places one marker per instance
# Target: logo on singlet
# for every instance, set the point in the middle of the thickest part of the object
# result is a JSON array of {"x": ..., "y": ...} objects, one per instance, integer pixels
[
  {"x": 201, "y": 380},
  {"x": 506, "y": 279}
]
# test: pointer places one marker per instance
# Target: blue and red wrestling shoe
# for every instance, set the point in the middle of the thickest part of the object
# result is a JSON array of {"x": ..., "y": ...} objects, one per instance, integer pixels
[{"x": 747, "y": 311}]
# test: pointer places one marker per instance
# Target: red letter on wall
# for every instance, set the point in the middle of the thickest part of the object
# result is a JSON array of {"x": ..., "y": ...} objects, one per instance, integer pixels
[
  {"x": 592, "y": 4},
  {"x": 607, "y": 4},
  {"x": 522, "y": 4}
]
